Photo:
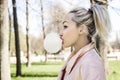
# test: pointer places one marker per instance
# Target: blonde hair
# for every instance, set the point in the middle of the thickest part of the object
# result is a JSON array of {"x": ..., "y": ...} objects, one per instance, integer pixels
[{"x": 96, "y": 18}]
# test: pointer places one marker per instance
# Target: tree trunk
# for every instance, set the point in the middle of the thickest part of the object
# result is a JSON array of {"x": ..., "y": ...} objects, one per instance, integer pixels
[
  {"x": 28, "y": 37},
  {"x": 9, "y": 31},
  {"x": 4, "y": 53},
  {"x": 17, "y": 45},
  {"x": 42, "y": 19}
]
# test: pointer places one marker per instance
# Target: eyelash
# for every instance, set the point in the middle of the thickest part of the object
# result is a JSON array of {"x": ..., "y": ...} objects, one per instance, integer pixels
[{"x": 65, "y": 27}]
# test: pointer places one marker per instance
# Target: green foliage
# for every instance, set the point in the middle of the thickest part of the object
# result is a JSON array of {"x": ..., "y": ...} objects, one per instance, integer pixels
[{"x": 49, "y": 71}]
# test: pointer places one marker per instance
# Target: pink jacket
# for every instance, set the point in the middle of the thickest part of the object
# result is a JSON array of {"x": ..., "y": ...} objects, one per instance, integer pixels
[{"x": 88, "y": 67}]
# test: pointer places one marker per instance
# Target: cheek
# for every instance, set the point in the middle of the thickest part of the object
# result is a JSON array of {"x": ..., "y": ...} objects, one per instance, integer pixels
[{"x": 70, "y": 37}]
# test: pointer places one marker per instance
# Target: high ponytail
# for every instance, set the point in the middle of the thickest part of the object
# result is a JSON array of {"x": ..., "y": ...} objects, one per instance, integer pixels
[
  {"x": 96, "y": 19},
  {"x": 101, "y": 20}
]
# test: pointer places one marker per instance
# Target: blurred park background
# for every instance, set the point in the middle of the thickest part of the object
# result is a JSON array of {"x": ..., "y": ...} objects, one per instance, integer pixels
[{"x": 23, "y": 27}]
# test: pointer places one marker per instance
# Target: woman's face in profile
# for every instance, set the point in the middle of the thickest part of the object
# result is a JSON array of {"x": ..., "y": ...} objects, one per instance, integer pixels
[{"x": 69, "y": 33}]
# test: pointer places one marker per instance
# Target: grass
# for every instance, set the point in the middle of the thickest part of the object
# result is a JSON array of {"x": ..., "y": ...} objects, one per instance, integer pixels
[
  {"x": 114, "y": 70},
  {"x": 49, "y": 71},
  {"x": 38, "y": 71}
]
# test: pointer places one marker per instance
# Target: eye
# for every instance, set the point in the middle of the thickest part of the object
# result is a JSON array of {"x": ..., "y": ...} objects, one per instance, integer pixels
[{"x": 65, "y": 26}]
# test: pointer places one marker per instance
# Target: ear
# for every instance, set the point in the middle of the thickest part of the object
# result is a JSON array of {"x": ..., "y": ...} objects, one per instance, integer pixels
[{"x": 83, "y": 29}]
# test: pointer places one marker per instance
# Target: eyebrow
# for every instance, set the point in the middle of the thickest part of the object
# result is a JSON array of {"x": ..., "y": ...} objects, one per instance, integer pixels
[{"x": 64, "y": 22}]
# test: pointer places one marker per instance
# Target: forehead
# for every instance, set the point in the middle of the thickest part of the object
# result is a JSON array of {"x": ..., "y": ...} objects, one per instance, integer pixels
[{"x": 67, "y": 19}]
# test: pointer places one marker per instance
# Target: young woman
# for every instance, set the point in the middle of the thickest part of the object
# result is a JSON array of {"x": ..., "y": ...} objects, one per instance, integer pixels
[{"x": 79, "y": 28}]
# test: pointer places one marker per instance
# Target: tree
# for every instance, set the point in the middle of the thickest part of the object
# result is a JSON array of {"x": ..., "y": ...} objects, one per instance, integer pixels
[
  {"x": 57, "y": 13},
  {"x": 117, "y": 41},
  {"x": 37, "y": 45},
  {"x": 43, "y": 28},
  {"x": 17, "y": 46},
  {"x": 28, "y": 36},
  {"x": 4, "y": 52},
  {"x": 9, "y": 29}
]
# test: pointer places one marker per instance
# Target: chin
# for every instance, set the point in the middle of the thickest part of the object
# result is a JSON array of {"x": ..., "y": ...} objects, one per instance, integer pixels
[{"x": 66, "y": 46}]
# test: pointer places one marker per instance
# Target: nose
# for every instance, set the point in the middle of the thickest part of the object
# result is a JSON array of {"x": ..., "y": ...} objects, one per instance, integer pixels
[{"x": 61, "y": 33}]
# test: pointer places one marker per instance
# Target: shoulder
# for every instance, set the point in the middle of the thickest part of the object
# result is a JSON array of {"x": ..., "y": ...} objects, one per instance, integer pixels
[
  {"x": 91, "y": 58},
  {"x": 92, "y": 67}
]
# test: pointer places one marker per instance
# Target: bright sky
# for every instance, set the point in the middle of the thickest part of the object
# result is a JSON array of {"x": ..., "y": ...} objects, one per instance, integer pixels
[
  {"x": 35, "y": 19},
  {"x": 114, "y": 12}
]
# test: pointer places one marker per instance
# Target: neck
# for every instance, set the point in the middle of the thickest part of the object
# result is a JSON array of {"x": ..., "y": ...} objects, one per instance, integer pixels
[{"x": 81, "y": 43}]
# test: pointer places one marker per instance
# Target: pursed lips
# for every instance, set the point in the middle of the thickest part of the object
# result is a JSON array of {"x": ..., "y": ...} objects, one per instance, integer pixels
[{"x": 62, "y": 39}]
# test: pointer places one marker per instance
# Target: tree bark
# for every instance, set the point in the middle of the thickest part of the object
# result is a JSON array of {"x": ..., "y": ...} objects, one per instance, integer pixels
[
  {"x": 4, "y": 53},
  {"x": 17, "y": 45},
  {"x": 28, "y": 37},
  {"x": 42, "y": 19},
  {"x": 9, "y": 31}
]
